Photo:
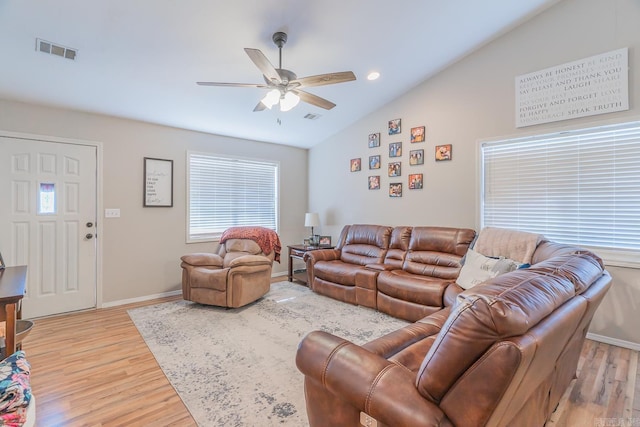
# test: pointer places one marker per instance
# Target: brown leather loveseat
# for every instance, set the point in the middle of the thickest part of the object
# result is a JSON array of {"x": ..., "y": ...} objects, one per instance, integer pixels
[
  {"x": 502, "y": 354},
  {"x": 402, "y": 271}
]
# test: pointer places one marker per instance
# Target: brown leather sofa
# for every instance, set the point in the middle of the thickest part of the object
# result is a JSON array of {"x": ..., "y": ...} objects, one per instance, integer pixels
[
  {"x": 401, "y": 271},
  {"x": 502, "y": 354}
]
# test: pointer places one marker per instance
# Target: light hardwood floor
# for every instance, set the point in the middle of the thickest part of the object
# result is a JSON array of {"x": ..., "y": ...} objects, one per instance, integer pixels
[{"x": 94, "y": 369}]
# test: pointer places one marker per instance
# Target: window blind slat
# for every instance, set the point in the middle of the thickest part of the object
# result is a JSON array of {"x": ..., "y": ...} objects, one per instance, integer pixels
[
  {"x": 580, "y": 187},
  {"x": 226, "y": 192}
]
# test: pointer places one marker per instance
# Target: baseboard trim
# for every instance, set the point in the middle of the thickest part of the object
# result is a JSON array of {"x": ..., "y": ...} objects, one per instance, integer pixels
[
  {"x": 156, "y": 296},
  {"x": 140, "y": 299},
  {"x": 614, "y": 341}
]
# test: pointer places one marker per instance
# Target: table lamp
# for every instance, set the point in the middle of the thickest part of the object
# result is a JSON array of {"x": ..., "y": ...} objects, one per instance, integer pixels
[{"x": 312, "y": 220}]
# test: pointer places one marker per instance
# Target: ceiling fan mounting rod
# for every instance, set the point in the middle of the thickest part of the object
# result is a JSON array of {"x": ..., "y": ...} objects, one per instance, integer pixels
[{"x": 279, "y": 39}]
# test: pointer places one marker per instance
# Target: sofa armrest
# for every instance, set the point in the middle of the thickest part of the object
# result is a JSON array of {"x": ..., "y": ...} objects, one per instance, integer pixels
[
  {"x": 382, "y": 389},
  {"x": 321, "y": 255},
  {"x": 381, "y": 267},
  {"x": 451, "y": 294},
  {"x": 202, "y": 259}
]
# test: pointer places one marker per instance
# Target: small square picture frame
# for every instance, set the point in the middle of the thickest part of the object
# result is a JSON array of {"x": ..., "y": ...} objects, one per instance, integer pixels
[
  {"x": 415, "y": 181},
  {"x": 417, "y": 134},
  {"x": 395, "y": 189},
  {"x": 374, "y": 162},
  {"x": 374, "y": 140},
  {"x": 395, "y": 169},
  {"x": 443, "y": 152},
  {"x": 374, "y": 182},
  {"x": 416, "y": 157},
  {"x": 324, "y": 241},
  {"x": 395, "y": 126},
  {"x": 395, "y": 149},
  {"x": 356, "y": 164}
]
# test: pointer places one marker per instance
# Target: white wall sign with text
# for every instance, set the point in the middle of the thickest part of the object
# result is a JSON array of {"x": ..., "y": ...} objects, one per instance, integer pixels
[{"x": 595, "y": 85}]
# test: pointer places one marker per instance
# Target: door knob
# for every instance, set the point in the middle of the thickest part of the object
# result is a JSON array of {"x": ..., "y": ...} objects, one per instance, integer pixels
[
  {"x": 89, "y": 224},
  {"x": 89, "y": 236}
]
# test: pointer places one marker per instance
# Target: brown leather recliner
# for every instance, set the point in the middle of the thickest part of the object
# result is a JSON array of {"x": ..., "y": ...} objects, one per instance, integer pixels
[{"x": 237, "y": 275}]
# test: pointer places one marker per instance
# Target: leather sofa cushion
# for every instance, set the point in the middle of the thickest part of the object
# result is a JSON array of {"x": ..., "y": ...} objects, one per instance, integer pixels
[
  {"x": 337, "y": 272},
  {"x": 506, "y": 306},
  {"x": 400, "y": 284},
  {"x": 242, "y": 245},
  {"x": 437, "y": 251},
  {"x": 581, "y": 269},
  {"x": 398, "y": 246},
  {"x": 441, "y": 239},
  {"x": 365, "y": 244}
]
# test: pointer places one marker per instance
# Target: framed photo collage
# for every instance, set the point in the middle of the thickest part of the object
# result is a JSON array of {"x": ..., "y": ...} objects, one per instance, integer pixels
[{"x": 391, "y": 155}]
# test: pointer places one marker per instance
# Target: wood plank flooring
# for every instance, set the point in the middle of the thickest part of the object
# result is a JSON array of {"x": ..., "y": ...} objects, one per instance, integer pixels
[{"x": 94, "y": 369}]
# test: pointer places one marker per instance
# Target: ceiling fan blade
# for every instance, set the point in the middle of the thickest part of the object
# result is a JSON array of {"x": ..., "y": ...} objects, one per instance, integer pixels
[
  {"x": 233, "y": 84},
  {"x": 260, "y": 107},
  {"x": 324, "y": 79},
  {"x": 314, "y": 99},
  {"x": 263, "y": 64}
]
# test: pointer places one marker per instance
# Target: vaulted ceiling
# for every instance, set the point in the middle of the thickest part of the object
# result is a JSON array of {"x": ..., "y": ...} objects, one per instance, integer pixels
[{"x": 140, "y": 59}]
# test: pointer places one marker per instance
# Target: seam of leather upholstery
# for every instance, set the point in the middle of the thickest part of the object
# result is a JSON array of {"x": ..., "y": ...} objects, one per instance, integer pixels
[
  {"x": 373, "y": 386},
  {"x": 326, "y": 364}
]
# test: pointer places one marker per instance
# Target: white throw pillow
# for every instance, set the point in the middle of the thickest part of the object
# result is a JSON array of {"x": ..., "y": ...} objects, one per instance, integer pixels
[{"x": 478, "y": 268}]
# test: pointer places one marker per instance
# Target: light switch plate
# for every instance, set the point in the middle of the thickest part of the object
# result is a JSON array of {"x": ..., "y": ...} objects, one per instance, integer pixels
[{"x": 112, "y": 213}]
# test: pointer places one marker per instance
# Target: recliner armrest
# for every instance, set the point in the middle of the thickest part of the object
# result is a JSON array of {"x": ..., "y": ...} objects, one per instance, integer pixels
[
  {"x": 202, "y": 259},
  {"x": 384, "y": 390}
]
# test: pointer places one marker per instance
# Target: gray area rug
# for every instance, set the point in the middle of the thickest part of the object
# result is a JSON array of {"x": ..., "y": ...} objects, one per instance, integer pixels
[{"x": 237, "y": 367}]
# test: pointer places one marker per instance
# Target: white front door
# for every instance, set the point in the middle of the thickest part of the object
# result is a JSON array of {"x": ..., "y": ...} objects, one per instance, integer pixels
[{"x": 48, "y": 209}]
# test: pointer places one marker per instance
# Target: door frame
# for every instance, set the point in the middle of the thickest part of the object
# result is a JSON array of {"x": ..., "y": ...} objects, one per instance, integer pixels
[{"x": 99, "y": 194}]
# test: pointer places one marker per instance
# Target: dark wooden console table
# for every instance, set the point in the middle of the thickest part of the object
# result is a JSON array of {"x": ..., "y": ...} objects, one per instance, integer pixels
[
  {"x": 297, "y": 252},
  {"x": 12, "y": 286}
]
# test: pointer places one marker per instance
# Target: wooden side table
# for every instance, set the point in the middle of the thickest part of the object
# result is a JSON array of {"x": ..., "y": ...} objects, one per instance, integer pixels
[
  {"x": 296, "y": 252},
  {"x": 12, "y": 286}
]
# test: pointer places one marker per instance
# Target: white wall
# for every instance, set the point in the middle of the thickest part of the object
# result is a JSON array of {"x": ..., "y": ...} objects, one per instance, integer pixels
[
  {"x": 142, "y": 248},
  {"x": 473, "y": 100}
]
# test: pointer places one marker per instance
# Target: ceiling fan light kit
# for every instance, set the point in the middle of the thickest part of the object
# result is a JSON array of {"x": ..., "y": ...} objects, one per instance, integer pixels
[{"x": 284, "y": 84}]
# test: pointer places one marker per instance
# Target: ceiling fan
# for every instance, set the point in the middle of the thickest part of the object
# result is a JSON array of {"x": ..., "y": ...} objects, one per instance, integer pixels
[{"x": 284, "y": 84}]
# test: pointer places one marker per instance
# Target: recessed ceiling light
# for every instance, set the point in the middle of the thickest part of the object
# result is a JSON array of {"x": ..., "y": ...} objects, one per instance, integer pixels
[{"x": 373, "y": 75}]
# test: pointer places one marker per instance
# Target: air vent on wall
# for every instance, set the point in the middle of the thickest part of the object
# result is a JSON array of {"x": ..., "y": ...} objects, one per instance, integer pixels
[
  {"x": 311, "y": 116},
  {"x": 56, "y": 49}
]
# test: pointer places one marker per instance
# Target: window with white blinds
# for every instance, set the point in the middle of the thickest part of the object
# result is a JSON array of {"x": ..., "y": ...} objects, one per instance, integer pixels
[
  {"x": 580, "y": 187},
  {"x": 226, "y": 192}
]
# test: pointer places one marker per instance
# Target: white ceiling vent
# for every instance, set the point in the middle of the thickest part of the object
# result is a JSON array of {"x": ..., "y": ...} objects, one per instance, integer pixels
[
  {"x": 56, "y": 49},
  {"x": 312, "y": 116}
]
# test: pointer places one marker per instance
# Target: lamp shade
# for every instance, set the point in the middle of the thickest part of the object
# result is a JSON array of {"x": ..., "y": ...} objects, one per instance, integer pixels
[{"x": 311, "y": 219}]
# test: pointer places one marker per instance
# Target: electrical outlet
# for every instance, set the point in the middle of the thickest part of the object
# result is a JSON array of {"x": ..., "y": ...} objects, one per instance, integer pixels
[{"x": 112, "y": 213}]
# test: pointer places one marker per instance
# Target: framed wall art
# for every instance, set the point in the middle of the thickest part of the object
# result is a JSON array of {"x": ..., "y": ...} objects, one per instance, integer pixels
[
  {"x": 415, "y": 181},
  {"x": 395, "y": 126},
  {"x": 356, "y": 165},
  {"x": 417, "y": 134},
  {"x": 374, "y": 182},
  {"x": 395, "y": 189},
  {"x": 395, "y": 149},
  {"x": 394, "y": 169},
  {"x": 158, "y": 183},
  {"x": 2, "y": 265},
  {"x": 374, "y": 140},
  {"x": 374, "y": 162},
  {"x": 443, "y": 152},
  {"x": 416, "y": 157}
]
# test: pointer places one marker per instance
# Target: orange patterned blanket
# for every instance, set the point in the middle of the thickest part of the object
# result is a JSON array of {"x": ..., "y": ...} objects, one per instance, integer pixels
[{"x": 266, "y": 238}]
